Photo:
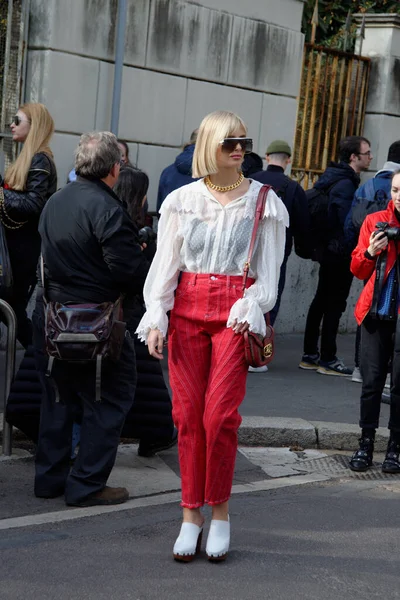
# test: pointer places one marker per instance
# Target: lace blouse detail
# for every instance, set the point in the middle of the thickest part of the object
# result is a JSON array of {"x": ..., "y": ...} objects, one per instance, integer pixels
[{"x": 198, "y": 235}]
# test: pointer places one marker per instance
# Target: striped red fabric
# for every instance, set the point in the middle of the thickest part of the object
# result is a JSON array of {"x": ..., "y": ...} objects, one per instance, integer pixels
[{"x": 208, "y": 371}]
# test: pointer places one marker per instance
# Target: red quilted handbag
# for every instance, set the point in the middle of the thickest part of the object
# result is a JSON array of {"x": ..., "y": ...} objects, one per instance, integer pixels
[{"x": 258, "y": 349}]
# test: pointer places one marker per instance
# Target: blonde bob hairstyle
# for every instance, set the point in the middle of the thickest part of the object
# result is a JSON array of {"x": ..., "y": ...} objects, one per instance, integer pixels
[
  {"x": 214, "y": 127},
  {"x": 37, "y": 140}
]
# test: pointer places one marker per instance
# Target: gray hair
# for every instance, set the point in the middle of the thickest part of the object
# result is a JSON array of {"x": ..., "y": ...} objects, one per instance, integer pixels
[{"x": 96, "y": 154}]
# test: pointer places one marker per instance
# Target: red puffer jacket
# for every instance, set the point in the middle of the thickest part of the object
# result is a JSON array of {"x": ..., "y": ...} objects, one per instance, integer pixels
[{"x": 363, "y": 267}]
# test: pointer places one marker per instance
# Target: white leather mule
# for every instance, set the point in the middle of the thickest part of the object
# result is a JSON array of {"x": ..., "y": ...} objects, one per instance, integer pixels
[
  {"x": 218, "y": 540},
  {"x": 188, "y": 542}
]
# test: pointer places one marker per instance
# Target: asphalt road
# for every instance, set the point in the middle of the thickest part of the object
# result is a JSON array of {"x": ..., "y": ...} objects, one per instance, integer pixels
[{"x": 322, "y": 541}]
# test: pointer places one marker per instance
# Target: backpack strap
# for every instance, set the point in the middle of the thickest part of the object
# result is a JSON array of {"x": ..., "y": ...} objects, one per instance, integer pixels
[{"x": 370, "y": 189}]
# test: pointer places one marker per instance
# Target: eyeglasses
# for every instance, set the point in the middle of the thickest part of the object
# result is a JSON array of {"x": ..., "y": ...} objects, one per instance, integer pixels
[
  {"x": 18, "y": 120},
  {"x": 229, "y": 144},
  {"x": 368, "y": 153}
]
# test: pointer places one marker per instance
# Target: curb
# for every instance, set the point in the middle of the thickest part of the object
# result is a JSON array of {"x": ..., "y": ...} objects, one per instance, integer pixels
[
  {"x": 277, "y": 431},
  {"x": 283, "y": 432}
]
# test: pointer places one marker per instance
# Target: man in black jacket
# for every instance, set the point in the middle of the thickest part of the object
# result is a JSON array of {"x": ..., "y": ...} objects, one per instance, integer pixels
[
  {"x": 294, "y": 198},
  {"x": 340, "y": 181},
  {"x": 92, "y": 255}
]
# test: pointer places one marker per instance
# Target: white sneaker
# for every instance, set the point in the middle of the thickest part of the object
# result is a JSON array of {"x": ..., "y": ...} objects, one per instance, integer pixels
[
  {"x": 218, "y": 540},
  {"x": 263, "y": 369},
  {"x": 188, "y": 542},
  {"x": 387, "y": 384},
  {"x": 356, "y": 376}
]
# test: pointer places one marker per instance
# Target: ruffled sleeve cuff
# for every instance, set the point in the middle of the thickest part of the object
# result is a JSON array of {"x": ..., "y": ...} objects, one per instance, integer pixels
[
  {"x": 246, "y": 309},
  {"x": 153, "y": 318},
  {"x": 275, "y": 208}
]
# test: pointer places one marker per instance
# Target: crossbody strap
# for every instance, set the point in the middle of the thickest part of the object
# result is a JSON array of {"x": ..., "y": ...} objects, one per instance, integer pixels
[
  {"x": 260, "y": 209},
  {"x": 42, "y": 277}
]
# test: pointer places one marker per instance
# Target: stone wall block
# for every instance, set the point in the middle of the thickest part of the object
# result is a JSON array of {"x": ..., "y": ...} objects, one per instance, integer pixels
[
  {"x": 87, "y": 27},
  {"x": 265, "y": 57},
  {"x": 287, "y": 13},
  {"x": 153, "y": 160},
  {"x": 41, "y": 17},
  {"x": 63, "y": 147},
  {"x": 53, "y": 77},
  {"x": 277, "y": 121},
  {"x": 382, "y": 130},
  {"x": 152, "y": 105},
  {"x": 204, "y": 98},
  {"x": 189, "y": 39}
]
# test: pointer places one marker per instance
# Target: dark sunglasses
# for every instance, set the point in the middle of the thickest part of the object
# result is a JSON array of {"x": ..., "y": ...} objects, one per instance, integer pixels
[
  {"x": 229, "y": 144},
  {"x": 17, "y": 120}
]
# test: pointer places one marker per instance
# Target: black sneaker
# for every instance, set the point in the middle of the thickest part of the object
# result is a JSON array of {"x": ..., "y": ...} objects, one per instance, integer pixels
[
  {"x": 309, "y": 362},
  {"x": 362, "y": 458},
  {"x": 148, "y": 450},
  {"x": 391, "y": 464},
  {"x": 334, "y": 367}
]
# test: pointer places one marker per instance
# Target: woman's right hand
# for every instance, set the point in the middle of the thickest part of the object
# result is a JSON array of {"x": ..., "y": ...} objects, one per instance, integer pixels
[
  {"x": 377, "y": 242},
  {"x": 155, "y": 342}
]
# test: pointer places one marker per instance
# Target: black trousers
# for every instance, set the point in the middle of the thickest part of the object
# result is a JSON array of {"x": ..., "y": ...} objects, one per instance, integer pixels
[
  {"x": 102, "y": 422},
  {"x": 328, "y": 305},
  {"x": 377, "y": 348}
]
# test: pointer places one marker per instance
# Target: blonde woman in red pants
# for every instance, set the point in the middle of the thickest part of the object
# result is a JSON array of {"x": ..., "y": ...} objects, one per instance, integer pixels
[{"x": 203, "y": 241}]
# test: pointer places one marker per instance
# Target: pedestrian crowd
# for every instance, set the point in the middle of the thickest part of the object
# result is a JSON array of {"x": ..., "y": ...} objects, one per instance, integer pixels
[{"x": 112, "y": 291}]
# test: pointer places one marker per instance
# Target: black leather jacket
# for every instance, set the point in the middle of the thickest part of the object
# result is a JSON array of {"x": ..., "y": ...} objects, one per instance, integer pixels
[
  {"x": 90, "y": 245},
  {"x": 24, "y": 242},
  {"x": 41, "y": 183}
]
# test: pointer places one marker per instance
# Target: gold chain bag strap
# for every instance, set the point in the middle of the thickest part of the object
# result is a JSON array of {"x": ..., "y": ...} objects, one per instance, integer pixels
[
  {"x": 258, "y": 349},
  {"x": 7, "y": 221}
]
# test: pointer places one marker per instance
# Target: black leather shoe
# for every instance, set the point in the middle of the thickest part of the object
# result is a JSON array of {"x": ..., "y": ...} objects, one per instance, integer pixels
[
  {"x": 362, "y": 458},
  {"x": 148, "y": 450},
  {"x": 391, "y": 464}
]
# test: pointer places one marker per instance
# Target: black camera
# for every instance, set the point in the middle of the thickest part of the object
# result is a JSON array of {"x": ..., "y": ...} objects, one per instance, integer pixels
[
  {"x": 392, "y": 233},
  {"x": 147, "y": 235}
]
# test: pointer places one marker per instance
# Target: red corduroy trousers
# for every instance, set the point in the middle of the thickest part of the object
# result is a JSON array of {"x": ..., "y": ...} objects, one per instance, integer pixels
[{"x": 207, "y": 373}]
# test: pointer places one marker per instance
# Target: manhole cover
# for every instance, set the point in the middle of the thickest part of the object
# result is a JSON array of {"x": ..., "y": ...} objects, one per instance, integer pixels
[{"x": 338, "y": 465}]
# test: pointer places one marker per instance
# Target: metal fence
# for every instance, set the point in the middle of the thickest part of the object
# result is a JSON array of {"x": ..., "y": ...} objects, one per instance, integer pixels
[
  {"x": 13, "y": 37},
  {"x": 331, "y": 105}
]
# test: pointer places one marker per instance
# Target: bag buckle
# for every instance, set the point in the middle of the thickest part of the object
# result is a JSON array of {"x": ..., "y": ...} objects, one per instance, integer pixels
[{"x": 268, "y": 351}]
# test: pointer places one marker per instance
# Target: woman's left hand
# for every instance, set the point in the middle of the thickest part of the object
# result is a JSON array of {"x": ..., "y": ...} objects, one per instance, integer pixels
[{"x": 240, "y": 327}]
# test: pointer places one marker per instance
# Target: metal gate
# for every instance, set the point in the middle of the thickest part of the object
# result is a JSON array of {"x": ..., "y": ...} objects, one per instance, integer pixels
[
  {"x": 13, "y": 50},
  {"x": 331, "y": 105}
]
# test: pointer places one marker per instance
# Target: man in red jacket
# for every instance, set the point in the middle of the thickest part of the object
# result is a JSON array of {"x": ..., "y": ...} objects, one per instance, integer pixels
[{"x": 375, "y": 259}]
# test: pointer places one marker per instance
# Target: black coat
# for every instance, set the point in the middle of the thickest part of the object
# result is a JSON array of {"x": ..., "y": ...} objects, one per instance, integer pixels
[
  {"x": 90, "y": 245},
  {"x": 341, "y": 181},
  {"x": 295, "y": 200},
  {"x": 150, "y": 417},
  {"x": 24, "y": 243}
]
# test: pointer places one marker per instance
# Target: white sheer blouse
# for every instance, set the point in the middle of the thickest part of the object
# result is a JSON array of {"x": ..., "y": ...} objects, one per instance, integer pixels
[{"x": 198, "y": 235}]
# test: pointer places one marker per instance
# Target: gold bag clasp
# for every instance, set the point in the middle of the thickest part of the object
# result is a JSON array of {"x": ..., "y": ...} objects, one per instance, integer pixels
[{"x": 268, "y": 350}]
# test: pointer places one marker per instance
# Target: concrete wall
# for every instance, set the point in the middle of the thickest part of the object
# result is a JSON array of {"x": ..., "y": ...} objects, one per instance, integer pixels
[
  {"x": 382, "y": 46},
  {"x": 182, "y": 60}
]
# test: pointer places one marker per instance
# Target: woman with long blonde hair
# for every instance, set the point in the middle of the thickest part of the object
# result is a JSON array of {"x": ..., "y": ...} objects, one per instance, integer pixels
[
  {"x": 27, "y": 185},
  {"x": 203, "y": 242}
]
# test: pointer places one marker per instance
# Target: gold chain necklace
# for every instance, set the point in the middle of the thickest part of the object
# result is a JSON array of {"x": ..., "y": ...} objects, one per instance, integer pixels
[{"x": 223, "y": 188}]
